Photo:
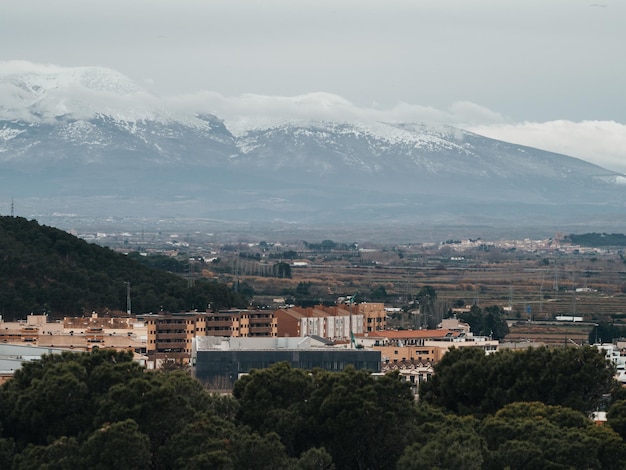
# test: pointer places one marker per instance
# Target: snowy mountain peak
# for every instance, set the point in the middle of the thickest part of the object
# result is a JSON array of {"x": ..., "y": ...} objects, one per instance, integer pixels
[
  {"x": 38, "y": 79},
  {"x": 35, "y": 93},
  {"x": 92, "y": 131}
]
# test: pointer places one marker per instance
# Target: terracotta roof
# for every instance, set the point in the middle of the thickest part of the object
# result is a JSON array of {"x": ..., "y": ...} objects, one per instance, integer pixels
[
  {"x": 310, "y": 312},
  {"x": 331, "y": 311},
  {"x": 412, "y": 334},
  {"x": 291, "y": 312}
]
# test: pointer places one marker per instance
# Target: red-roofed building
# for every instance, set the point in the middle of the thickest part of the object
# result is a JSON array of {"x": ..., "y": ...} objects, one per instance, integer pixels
[
  {"x": 422, "y": 345},
  {"x": 411, "y": 337},
  {"x": 326, "y": 322}
]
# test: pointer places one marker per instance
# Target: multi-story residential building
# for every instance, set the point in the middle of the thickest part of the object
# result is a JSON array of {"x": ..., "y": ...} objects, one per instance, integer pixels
[
  {"x": 241, "y": 323},
  {"x": 423, "y": 345},
  {"x": 343, "y": 321},
  {"x": 336, "y": 322},
  {"x": 262, "y": 323},
  {"x": 413, "y": 372},
  {"x": 79, "y": 334},
  {"x": 227, "y": 323},
  {"x": 169, "y": 336},
  {"x": 374, "y": 315},
  {"x": 154, "y": 337},
  {"x": 290, "y": 322}
]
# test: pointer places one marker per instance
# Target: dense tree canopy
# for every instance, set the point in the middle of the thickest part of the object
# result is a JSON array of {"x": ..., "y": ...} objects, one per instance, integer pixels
[
  {"x": 597, "y": 239},
  {"x": 487, "y": 322},
  {"x": 467, "y": 381},
  {"x": 162, "y": 262},
  {"x": 606, "y": 332},
  {"x": 102, "y": 410},
  {"x": 351, "y": 414},
  {"x": 441, "y": 440},
  {"x": 535, "y": 435},
  {"x": 43, "y": 269}
]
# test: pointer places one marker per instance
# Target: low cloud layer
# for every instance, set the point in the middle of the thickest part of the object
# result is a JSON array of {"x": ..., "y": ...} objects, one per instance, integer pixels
[
  {"x": 249, "y": 110},
  {"x": 600, "y": 142},
  {"x": 32, "y": 92}
]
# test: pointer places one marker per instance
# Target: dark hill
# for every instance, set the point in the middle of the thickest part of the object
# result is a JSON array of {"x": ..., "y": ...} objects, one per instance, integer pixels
[{"x": 43, "y": 269}]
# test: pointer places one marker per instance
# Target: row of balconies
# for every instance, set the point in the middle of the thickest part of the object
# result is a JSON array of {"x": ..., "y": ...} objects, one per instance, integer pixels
[
  {"x": 263, "y": 321},
  {"x": 263, "y": 330},
  {"x": 170, "y": 344},
  {"x": 171, "y": 336},
  {"x": 219, "y": 324}
]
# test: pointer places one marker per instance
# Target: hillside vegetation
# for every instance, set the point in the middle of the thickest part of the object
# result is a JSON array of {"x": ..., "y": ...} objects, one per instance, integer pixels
[
  {"x": 598, "y": 239},
  {"x": 43, "y": 269}
]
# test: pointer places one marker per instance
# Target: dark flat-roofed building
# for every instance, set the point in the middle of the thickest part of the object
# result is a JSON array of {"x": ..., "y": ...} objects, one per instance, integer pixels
[{"x": 219, "y": 361}]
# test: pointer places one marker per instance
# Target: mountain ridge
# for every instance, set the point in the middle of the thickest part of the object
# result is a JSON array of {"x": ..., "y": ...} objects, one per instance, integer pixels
[{"x": 159, "y": 162}]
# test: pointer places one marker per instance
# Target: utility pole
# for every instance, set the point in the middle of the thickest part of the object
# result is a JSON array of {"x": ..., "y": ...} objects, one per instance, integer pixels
[
  {"x": 128, "y": 309},
  {"x": 352, "y": 340},
  {"x": 190, "y": 280},
  {"x": 350, "y": 321}
]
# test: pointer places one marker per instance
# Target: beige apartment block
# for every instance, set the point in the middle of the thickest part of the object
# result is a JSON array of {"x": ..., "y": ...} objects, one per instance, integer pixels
[
  {"x": 374, "y": 315},
  {"x": 334, "y": 323},
  {"x": 170, "y": 336},
  {"x": 241, "y": 323},
  {"x": 81, "y": 334},
  {"x": 424, "y": 345}
]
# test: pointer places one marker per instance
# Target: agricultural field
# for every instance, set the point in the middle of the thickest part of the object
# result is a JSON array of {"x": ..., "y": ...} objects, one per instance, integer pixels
[{"x": 530, "y": 283}]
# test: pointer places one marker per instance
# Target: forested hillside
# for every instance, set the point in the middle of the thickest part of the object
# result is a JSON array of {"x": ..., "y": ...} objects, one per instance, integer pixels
[
  {"x": 43, "y": 269},
  {"x": 597, "y": 239}
]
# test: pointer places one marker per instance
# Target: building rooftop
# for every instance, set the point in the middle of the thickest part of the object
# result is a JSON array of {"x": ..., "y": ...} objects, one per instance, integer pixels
[
  {"x": 230, "y": 343},
  {"x": 13, "y": 355},
  {"x": 413, "y": 334}
]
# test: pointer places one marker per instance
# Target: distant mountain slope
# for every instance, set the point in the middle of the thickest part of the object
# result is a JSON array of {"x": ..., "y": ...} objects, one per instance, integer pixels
[
  {"x": 404, "y": 158},
  {"x": 43, "y": 269},
  {"x": 376, "y": 149},
  {"x": 92, "y": 142}
]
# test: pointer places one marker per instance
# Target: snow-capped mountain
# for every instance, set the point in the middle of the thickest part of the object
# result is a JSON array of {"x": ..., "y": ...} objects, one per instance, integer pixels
[
  {"x": 381, "y": 148},
  {"x": 92, "y": 140}
]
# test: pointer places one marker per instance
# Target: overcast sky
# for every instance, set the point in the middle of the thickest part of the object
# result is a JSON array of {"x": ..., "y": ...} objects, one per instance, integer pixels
[{"x": 546, "y": 73}]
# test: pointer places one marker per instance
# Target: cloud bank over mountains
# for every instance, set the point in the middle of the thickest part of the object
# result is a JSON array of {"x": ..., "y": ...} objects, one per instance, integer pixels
[
  {"x": 82, "y": 91},
  {"x": 97, "y": 144},
  {"x": 600, "y": 142}
]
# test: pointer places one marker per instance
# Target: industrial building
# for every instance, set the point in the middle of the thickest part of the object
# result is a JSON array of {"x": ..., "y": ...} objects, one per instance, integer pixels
[
  {"x": 12, "y": 356},
  {"x": 219, "y": 361}
]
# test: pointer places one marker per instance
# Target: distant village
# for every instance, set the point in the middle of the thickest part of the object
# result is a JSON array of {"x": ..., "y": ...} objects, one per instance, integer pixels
[{"x": 218, "y": 347}]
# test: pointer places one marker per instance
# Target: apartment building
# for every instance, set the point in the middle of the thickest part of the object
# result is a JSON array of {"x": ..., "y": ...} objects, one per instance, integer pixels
[
  {"x": 169, "y": 336},
  {"x": 241, "y": 323},
  {"x": 374, "y": 315},
  {"x": 335, "y": 322},
  {"x": 423, "y": 345},
  {"x": 77, "y": 333}
]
